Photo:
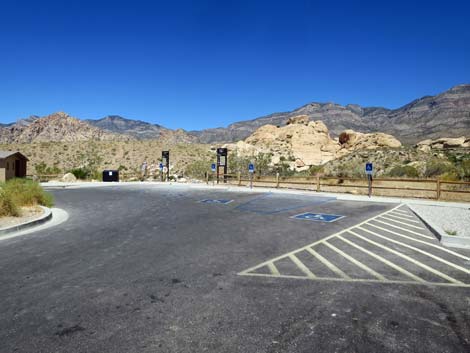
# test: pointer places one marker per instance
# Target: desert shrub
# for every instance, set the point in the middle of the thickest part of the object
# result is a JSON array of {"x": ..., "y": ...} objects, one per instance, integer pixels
[
  {"x": 404, "y": 171},
  {"x": 350, "y": 169},
  {"x": 343, "y": 138},
  {"x": 450, "y": 176},
  {"x": 7, "y": 206},
  {"x": 81, "y": 173},
  {"x": 262, "y": 162},
  {"x": 198, "y": 169},
  {"x": 465, "y": 169},
  {"x": 23, "y": 192},
  {"x": 284, "y": 170},
  {"x": 315, "y": 169},
  {"x": 43, "y": 169},
  {"x": 436, "y": 168}
]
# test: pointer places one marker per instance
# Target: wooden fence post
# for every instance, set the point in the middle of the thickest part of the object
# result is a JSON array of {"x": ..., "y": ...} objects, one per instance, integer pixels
[
  {"x": 277, "y": 180},
  {"x": 318, "y": 183},
  {"x": 239, "y": 178},
  {"x": 438, "y": 189}
]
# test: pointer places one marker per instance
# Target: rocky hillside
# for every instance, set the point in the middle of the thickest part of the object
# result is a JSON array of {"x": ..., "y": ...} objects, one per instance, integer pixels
[
  {"x": 62, "y": 127},
  {"x": 431, "y": 117},
  {"x": 136, "y": 128},
  {"x": 142, "y": 130},
  {"x": 303, "y": 143},
  {"x": 446, "y": 114},
  {"x": 55, "y": 127}
]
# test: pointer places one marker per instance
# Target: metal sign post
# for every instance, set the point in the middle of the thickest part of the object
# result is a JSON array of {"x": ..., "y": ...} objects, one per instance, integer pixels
[
  {"x": 251, "y": 170},
  {"x": 222, "y": 163},
  {"x": 160, "y": 166},
  {"x": 213, "y": 168},
  {"x": 166, "y": 164},
  {"x": 369, "y": 172}
]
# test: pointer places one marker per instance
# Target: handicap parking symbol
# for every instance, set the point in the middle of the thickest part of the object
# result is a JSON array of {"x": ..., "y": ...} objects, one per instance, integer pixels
[
  {"x": 318, "y": 217},
  {"x": 220, "y": 201}
]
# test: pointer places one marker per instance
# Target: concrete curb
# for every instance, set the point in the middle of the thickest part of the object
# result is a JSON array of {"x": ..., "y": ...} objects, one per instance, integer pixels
[
  {"x": 445, "y": 239},
  {"x": 35, "y": 222}
]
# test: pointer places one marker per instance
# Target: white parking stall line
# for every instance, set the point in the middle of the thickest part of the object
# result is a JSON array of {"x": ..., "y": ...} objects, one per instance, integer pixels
[
  {"x": 403, "y": 215},
  {"x": 301, "y": 266},
  {"x": 399, "y": 210},
  {"x": 451, "y": 264},
  {"x": 401, "y": 222},
  {"x": 406, "y": 257},
  {"x": 385, "y": 261},
  {"x": 254, "y": 268},
  {"x": 356, "y": 262},
  {"x": 405, "y": 251},
  {"x": 403, "y": 218},
  {"x": 406, "y": 230},
  {"x": 439, "y": 247},
  {"x": 273, "y": 269},
  {"x": 327, "y": 263}
]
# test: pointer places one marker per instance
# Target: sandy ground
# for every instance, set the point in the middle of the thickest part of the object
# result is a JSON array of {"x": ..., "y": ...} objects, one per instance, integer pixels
[{"x": 27, "y": 214}]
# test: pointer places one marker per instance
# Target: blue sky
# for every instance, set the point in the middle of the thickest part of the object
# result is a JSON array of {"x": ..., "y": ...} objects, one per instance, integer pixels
[{"x": 199, "y": 64}]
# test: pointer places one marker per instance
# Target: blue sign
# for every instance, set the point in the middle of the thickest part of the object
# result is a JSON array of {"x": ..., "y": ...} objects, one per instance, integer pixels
[
  {"x": 222, "y": 201},
  {"x": 251, "y": 168},
  {"x": 369, "y": 168},
  {"x": 318, "y": 217},
  {"x": 213, "y": 167},
  {"x": 161, "y": 166}
]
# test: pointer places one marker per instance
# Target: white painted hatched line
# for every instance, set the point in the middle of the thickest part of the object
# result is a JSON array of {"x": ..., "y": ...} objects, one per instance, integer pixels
[{"x": 393, "y": 235}]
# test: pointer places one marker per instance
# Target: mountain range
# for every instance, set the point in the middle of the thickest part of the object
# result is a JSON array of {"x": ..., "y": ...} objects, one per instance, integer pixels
[{"x": 445, "y": 114}]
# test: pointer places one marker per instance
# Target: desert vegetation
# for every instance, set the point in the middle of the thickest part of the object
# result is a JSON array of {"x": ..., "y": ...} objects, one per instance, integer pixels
[{"x": 18, "y": 193}]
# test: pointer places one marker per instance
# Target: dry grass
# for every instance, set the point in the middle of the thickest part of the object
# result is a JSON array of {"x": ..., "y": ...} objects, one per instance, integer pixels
[{"x": 17, "y": 193}]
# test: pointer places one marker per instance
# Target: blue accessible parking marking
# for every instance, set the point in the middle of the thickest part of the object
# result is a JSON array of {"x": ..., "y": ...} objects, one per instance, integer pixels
[
  {"x": 318, "y": 217},
  {"x": 222, "y": 201}
]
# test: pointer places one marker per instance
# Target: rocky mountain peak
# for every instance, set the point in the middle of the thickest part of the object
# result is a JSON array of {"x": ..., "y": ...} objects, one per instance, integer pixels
[{"x": 58, "y": 126}]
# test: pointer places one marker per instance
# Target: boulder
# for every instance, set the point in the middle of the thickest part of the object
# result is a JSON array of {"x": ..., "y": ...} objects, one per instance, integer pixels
[
  {"x": 303, "y": 143},
  {"x": 442, "y": 143},
  {"x": 69, "y": 178}
]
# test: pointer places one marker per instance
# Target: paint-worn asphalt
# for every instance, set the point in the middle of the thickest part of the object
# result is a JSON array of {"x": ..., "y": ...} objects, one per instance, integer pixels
[{"x": 151, "y": 269}]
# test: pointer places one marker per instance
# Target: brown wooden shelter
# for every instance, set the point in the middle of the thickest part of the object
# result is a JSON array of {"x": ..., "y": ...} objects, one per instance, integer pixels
[{"x": 12, "y": 165}]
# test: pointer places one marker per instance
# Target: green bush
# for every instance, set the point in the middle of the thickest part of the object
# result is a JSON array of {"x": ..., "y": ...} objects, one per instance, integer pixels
[
  {"x": 7, "y": 207},
  {"x": 23, "y": 192},
  {"x": 404, "y": 171},
  {"x": 81, "y": 173}
]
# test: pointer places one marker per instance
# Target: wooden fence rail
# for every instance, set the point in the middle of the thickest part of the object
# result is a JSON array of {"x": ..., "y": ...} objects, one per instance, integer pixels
[{"x": 412, "y": 188}]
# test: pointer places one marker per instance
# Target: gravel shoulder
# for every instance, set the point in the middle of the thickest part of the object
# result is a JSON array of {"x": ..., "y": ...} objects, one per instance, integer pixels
[{"x": 452, "y": 220}]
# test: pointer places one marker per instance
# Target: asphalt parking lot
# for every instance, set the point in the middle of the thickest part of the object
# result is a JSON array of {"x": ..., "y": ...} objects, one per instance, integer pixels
[{"x": 174, "y": 269}]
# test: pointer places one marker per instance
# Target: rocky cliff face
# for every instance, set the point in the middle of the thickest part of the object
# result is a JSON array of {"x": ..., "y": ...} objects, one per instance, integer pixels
[
  {"x": 303, "y": 143},
  {"x": 445, "y": 114},
  {"x": 55, "y": 127}
]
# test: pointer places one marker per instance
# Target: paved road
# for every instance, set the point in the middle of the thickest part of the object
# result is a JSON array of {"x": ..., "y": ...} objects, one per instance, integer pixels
[{"x": 159, "y": 269}]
